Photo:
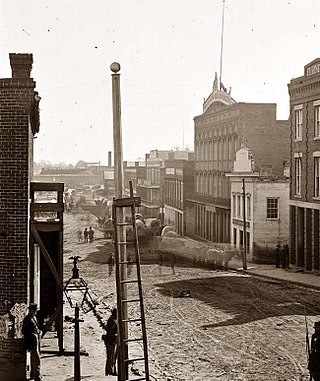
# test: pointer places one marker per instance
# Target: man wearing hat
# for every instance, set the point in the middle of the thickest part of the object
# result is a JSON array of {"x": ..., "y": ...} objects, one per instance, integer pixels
[
  {"x": 314, "y": 358},
  {"x": 32, "y": 334}
]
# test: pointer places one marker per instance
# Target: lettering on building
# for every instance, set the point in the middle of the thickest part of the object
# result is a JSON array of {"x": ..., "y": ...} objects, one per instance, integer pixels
[{"x": 312, "y": 70}]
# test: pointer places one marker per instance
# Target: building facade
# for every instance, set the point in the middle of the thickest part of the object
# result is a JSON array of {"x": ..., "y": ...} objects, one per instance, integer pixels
[
  {"x": 219, "y": 132},
  {"x": 304, "y": 94},
  {"x": 259, "y": 207},
  {"x": 151, "y": 188},
  {"x": 178, "y": 185},
  {"x": 19, "y": 110},
  {"x": 133, "y": 171}
]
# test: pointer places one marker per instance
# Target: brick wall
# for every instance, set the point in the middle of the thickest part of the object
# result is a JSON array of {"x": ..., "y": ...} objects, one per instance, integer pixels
[
  {"x": 18, "y": 123},
  {"x": 267, "y": 138}
]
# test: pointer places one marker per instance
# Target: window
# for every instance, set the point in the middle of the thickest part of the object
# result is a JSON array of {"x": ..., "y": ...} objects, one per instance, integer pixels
[
  {"x": 298, "y": 124},
  {"x": 298, "y": 168},
  {"x": 272, "y": 208},
  {"x": 317, "y": 177},
  {"x": 317, "y": 121},
  {"x": 234, "y": 205},
  {"x": 248, "y": 208},
  {"x": 238, "y": 206}
]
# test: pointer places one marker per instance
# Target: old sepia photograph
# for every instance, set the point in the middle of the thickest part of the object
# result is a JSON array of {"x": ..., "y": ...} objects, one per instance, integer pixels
[{"x": 160, "y": 190}]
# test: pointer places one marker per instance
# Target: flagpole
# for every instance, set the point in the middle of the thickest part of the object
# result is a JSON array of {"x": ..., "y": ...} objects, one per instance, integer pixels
[{"x": 221, "y": 51}]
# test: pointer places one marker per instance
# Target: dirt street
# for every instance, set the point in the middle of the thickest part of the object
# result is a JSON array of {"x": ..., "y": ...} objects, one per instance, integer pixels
[{"x": 232, "y": 327}]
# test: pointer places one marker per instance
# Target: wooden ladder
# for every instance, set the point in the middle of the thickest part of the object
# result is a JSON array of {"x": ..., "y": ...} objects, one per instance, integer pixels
[{"x": 126, "y": 282}]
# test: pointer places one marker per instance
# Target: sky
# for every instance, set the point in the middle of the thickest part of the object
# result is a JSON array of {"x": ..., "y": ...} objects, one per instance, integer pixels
[{"x": 169, "y": 52}]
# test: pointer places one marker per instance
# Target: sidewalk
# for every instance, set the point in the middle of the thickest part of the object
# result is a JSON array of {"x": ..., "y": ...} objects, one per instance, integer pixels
[
  {"x": 93, "y": 353},
  {"x": 291, "y": 275}
]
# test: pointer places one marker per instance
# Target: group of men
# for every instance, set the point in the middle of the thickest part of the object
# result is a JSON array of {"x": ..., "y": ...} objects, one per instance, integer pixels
[
  {"x": 87, "y": 235},
  {"x": 31, "y": 330}
]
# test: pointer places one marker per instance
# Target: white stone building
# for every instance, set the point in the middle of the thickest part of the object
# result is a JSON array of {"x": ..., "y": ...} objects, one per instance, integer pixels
[{"x": 265, "y": 204}]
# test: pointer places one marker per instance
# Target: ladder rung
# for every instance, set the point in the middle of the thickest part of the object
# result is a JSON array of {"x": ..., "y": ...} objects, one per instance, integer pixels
[
  {"x": 137, "y": 379},
  {"x": 126, "y": 262},
  {"x": 130, "y": 281},
  {"x": 125, "y": 242},
  {"x": 136, "y": 359},
  {"x": 131, "y": 320},
  {"x": 124, "y": 224},
  {"x": 129, "y": 340},
  {"x": 130, "y": 300}
]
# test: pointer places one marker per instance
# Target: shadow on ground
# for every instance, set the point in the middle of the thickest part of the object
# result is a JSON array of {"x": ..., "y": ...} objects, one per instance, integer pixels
[{"x": 246, "y": 299}]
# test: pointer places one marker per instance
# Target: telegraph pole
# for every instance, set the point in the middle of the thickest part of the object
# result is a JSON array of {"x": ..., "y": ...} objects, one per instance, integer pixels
[
  {"x": 244, "y": 259},
  {"x": 119, "y": 192}
]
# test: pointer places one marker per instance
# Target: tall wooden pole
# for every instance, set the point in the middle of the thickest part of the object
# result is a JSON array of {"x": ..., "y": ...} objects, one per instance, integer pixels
[
  {"x": 77, "y": 371},
  {"x": 119, "y": 191},
  {"x": 117, "y": 138},
  {"x": 244, "y": 226}
]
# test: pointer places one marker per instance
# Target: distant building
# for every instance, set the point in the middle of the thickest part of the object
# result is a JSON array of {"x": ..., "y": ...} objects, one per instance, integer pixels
[
  {"x": 150, "y": 188},
  {"x": 76, "y": 178},
  {"x": 304, "y": 94},
  {"x": 178, "y": 185},
  {"x": 133, "y": 171},
  {"x": 220, "y": 131},
  {"x": 266, "y": 208},
  {"x": 83, "y": 176}
]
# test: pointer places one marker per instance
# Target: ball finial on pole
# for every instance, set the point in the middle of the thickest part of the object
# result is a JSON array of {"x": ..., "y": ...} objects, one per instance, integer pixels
[{"x": 115, "y": 67}]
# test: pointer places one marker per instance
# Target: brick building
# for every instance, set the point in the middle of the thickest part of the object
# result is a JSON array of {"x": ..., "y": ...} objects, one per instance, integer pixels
[
  {"x": 151, "y": 187},
  {"x": 178, "y": 185},
  {"x": 304, "y": 94},
  {"x": 219, "y": 132},
  {"x": 19, "y": 123},
  {"x": 133, "y": 171},
  {"x": 265, "y": 207}
]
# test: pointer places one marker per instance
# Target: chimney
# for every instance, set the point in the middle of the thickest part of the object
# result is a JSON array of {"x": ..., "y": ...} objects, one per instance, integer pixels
[
  {"x": 109, "y": 159},
  {"x": 21, "y": 65}
]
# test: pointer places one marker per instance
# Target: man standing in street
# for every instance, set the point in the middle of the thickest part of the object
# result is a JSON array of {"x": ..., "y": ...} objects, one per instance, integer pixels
[
  {"x": 85, "y": 235},
  {"x": 278, "y": 256},
  {"x": 32, "y": 335},
  {"x": 90, "y": 234},
  {"x": 110, "y": 341},
  {"x": 285, "y": 256},
  {"x": 314, "y": 358}
]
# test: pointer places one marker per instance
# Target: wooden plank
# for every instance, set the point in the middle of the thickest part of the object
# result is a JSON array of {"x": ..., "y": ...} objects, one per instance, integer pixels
[
  {"x": 48, "y": 226},
  {"x": 128, "y": 201},
  {"x": 47, "y": 257},
  {"x": 46, "y": 207},
  {"x": 55, "y": 187}
]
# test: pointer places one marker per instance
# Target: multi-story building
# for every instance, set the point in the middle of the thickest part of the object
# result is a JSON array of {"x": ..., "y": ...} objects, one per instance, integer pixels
[
  {"x": 304, "y": 94},
  {"x": 178, "y": 185},
  {"x": 133, "y": 171},
  {"x": 150, "y": 188},
  {"x": 259, "y": 207},
  {"x": 219, "y": 133}
]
